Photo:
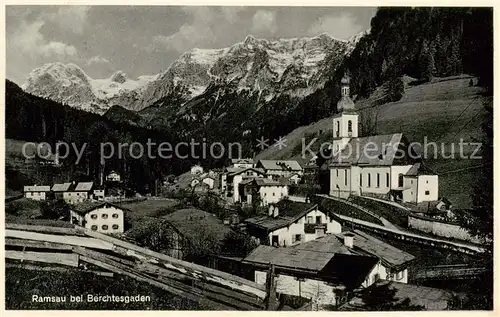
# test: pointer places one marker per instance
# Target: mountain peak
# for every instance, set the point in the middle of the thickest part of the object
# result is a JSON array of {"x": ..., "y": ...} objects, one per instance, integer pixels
[{"x": 119, "y": 77}]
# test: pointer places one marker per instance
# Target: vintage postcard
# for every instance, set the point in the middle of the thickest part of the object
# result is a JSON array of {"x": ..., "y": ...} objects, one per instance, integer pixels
[{"x": 257, "y": 158}]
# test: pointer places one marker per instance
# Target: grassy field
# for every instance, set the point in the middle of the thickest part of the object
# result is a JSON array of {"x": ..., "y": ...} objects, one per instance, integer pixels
[
  {"x": 443, "y": 111},
  {"x": 149, "y": 208}
]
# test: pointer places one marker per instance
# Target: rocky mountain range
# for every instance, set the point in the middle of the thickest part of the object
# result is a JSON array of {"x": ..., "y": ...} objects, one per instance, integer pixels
[{"x": 269, "y": 68}]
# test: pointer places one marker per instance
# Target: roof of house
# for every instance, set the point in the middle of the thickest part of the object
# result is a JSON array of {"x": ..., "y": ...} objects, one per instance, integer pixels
[
  {"x": 90, "y": 205},
  {"x": 37, "y": 188},
  {"x": 388, "y": 254},
  {"x": 193, "y": 223},
  {"x": 238, "y": 170},
  {"x": 84, "y": 186},
  {"x": 271, "y": 182},
  {"x": 378, "y": 150},
  {"x": 61, "y": 187},
  {"x": 419, "y": 169},
  {"x": 288, "y": 212},
  {"x": 430, "y": 298},
  {"x": 325, "y": 259},
  {"x": 279, "y": 165},
  {"x": 242, "y": 161}
]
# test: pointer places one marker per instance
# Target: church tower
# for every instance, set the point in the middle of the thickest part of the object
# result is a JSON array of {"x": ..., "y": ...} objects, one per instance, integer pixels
[{"x": 345, "y": 123}]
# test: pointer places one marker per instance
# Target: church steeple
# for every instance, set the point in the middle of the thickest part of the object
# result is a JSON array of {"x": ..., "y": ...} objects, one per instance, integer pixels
[
  {"x": 345, "y": 123},
  {"x": 345, "y": 102}
]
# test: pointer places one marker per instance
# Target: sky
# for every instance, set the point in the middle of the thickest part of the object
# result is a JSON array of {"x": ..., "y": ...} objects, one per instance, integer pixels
[{"x": 144, "y": 40}]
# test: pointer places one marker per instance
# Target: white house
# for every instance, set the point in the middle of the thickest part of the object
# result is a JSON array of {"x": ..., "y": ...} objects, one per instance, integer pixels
[
  {"x": 378, "y": 165},
  {"x": 113, "y": 177},
  {"x": 36, "y": 192},
  {"x": 233, "y": 177},
  {"x": 290, "y": 222},
  {"x": 209, "y": 180},
  {"x": 327, "y": 269},
  {"x": 82, "y": 192},
  {"x": 265, "y": 190},
  {"x": 98, "y": 216},
  {"x": 242, "y": 163},
  {"x": 280, "y": 168},
  {"x": 196, "y": 169}
]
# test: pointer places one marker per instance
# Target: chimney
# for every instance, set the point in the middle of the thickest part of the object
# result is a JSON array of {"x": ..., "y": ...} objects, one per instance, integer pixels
[
  {"x": 349, "y": 240},
  {"x": 276, "y": 212},
  {"x": 271, "y": 209}
]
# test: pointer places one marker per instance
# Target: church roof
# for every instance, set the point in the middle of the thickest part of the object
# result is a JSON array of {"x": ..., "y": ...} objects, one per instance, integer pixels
[
  {"x": 376, "y": 150},
  {"x": 419, "y": 169},
  {"x": 345, "y": 103}
]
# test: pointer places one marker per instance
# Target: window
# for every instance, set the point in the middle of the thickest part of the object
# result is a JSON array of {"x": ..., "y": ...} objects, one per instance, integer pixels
[
  {"x": 115, "y": 216},
  {"x": 349, "y": 126},
  {"x": 309, "y": 219},
  {"x": 93, "y": 217},
  {"x": 318, "y": 219},
  {"x": 115, "y": 227},
  {"x": 337, "y": 172},
  {"x": 427, "y": 192},
  {"x": 411, "y": 182},
  {"x": 104, "y": 227},
  {"x": 94, "y": 227},
  {"x": 338, "y": 129},
  {"x": 297, "y": 238},
  {"x": 427, "y": 182},
  {"x": 345, "y": 177},
  {"x": 274, "y": 194},
  {"x": 399, "y": 275},
  {"x": 400, "y": 180},
  {"x": 378, "y": 179},
  {"x": 104, "y": 216},
  {"x": 360, "y": 180},
  {"x": 387, "y": 180},
  {"x": 369, "y": 180}
]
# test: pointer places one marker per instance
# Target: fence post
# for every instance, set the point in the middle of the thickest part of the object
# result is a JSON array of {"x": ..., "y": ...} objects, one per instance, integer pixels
[{"x": 272, "y": 302}]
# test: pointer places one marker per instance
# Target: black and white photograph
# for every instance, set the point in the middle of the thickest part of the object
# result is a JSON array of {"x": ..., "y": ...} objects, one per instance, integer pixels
[{"x": 259, "y": 158}]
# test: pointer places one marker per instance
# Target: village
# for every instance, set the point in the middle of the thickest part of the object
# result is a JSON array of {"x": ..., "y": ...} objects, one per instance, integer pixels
[{"x": 369, "y": 225}]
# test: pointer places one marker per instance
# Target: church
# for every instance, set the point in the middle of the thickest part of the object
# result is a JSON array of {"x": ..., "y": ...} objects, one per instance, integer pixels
[{"x": 383, "y": 166}]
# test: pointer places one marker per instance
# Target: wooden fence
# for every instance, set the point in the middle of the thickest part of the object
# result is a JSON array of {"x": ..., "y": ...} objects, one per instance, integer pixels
[{"x": 73, "y": 247}]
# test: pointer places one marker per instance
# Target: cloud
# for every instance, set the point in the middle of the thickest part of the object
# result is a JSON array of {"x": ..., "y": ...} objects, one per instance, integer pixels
[
  {"x": 97, "y": 60},
  {"x": 264, "y": 21},
  {"x": 69, "y": 17},
  {"x": 202, "y": 29},
  {"x": 342, "y": 26},
  {"x": 27, "y": 39}
]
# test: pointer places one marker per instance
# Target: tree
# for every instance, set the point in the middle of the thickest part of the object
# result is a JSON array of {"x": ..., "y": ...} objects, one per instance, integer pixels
[
  {"x": 54, "y": 209},
  {"x": 368, "y": 121},
  {"x": 383, "y": 298}
]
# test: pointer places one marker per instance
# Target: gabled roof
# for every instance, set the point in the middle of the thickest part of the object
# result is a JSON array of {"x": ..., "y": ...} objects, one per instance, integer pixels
[
  {"x": 84, "y": 186},
  {"x": 279, "y": 165},
  {"x": 194, "y": 223},
  {"x": 88, "y": 206},
  {"x": 288, "y": 212},
  {"x": 61, "y": 187},
  {"x": 324, "y": 258},
  {"x": 389, "y": 255},
  {"x": 37, "y": 188},
  {"x": 419, "y": 169},
  {"x": 271, "y": 182},
  {"x": 242, "y": 161},
  {"x": 376, "y": 150},
  {"x": 238, "y": 170}
]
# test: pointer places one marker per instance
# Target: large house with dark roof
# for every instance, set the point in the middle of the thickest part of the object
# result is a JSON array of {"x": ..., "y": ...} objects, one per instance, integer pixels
[
  {"x": 232, "y": 178},
  {"x": 327, "y": 269},
  {"x": 98, "y": 216},
  {"x": 378, "y": 165},
  {"x": 290, "y": 222}
]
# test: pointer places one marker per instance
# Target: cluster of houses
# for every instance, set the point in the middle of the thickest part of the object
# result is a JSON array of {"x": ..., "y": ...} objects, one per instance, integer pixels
[
  {"x": 313, "y": 256},
  {"x": 71, "y": 193}
]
